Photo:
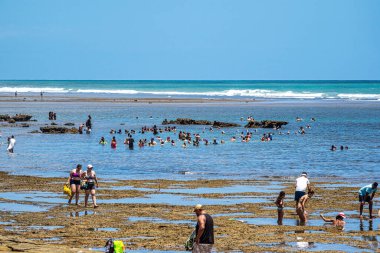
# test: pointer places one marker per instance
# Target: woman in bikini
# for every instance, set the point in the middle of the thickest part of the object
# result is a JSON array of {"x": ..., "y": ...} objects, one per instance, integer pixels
[
  {"x": 280, "y": 207},
  {"x": 74, "y": 181},
  {"x": 90, "y": 178}
]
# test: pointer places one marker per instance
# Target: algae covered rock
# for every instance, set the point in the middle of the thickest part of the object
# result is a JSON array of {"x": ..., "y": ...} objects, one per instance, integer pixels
[
  {"x": 265, "y": 124},
  {"x": 58, "y": 130}
]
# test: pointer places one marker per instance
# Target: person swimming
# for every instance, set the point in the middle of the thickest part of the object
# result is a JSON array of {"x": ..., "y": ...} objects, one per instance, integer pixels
[{"x": 102, "y": 141}]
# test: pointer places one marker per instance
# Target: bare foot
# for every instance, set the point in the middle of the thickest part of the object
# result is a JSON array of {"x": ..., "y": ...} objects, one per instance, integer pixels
[{"x": 96, "y": 206}]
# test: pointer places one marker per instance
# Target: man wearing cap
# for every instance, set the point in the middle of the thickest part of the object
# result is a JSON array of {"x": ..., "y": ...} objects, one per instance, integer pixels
[
  {"x": 302, "y": 184},
  {"x": 366, "y": 194},
  {"x": 204, "y": 230}
]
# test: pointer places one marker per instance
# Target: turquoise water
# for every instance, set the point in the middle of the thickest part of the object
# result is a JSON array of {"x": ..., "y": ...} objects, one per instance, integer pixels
[
  {"x": 358, "y": 90},
  {"x": 349, "y": 123}
]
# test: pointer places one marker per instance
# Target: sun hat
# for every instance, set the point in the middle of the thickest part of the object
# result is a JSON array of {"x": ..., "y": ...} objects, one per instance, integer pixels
[
  {"x": 90, "y": 166},
  {"x": 341, "y": 214},
  {"x": 198, "y": 207},
  {"x": 304, "y": 174}
]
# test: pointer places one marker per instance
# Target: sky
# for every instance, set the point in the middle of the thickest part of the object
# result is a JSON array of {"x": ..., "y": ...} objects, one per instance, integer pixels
[{"x": 190, "y": 39}]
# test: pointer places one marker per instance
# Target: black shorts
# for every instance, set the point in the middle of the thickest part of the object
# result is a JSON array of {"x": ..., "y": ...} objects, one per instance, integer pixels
[
  {"x": 76, "y": 182},
  {"x": 362, "y": 198},
  {"x": 90, "y": 186},
  {"x": 298, "y": 195}
]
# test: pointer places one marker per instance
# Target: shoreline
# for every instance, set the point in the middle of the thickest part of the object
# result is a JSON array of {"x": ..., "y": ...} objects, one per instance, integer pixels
[{"x": 157, "y": 226}]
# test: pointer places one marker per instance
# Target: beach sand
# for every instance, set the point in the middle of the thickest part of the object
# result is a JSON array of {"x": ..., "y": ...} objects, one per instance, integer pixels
[{"x": 65, "y": 228}]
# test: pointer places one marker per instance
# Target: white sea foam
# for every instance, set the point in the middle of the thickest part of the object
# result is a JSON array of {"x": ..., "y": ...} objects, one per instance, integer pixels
[
  {"x": 33, "y": 89},
  {"x": 254, "y": 93}
]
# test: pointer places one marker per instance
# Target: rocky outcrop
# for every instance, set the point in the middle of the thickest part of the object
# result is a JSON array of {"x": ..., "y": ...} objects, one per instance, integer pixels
[
  {"x": 185, "y": 121},
  {"x": 17, "y": 117},
  {"x": 69, "y": 124},
  {"x": 58, "y": 130},
  {"x": 265, "y": 124}
]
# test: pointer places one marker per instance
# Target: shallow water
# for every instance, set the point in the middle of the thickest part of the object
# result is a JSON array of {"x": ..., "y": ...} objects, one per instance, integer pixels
[
  {"x": 174, "y": 199},
  {"x": 159, "y": 220},
  {"x": 345, "y": 123},
  {"x": 16, "y": 207}
]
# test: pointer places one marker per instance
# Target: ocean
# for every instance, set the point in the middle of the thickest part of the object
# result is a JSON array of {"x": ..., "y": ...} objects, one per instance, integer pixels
[
  {"x": 351, "y": 123},
  {"x": 326, "y": 90}
]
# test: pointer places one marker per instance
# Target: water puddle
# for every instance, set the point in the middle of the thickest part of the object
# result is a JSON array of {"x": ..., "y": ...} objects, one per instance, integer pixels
[
  {"x": 175, "y": 199},
  {"x": 26, "y": 228},
  {"x": 104, "y": 229},
  {"x": 272, "y": 188},
  {"x": 312, "y": 246},
  {"x": 159, "y": 220},
  {"x": 101, "y": 249},
  {"x": 81, "y": 213},
  {"x": 35, "y": 196},
  {"x": 53, "y": 239},
  {"x": 231, "y": 214},
  {"x": 16, "y": 207}
]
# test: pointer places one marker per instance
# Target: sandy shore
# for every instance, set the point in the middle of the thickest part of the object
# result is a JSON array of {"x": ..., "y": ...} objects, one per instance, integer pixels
[{"x": 166, "y": 227}]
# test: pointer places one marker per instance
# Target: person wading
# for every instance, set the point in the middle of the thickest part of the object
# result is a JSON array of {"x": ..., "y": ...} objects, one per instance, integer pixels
[{"x": 204, "y": 239}]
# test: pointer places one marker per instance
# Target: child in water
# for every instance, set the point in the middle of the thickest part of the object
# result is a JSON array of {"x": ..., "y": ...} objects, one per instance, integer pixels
[
  {"x": 280, "y": 207},
  {"x": 301, "y": 206}
]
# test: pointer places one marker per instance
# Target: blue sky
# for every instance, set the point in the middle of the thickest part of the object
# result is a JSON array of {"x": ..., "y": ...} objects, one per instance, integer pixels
[{"x": 190, "y": 39}]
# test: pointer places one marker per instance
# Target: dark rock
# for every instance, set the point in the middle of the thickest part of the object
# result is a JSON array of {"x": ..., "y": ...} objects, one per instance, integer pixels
[
  {"x": 53, "y": 124},
  {"x": 224, "y": 124},
  {"x": 265, "y": 124},
  {"x": 185, "y": 121},
  {"x": 4, "y": 117},
  {"x": 22, "y": 117},
  {"x": 11, "y": 121},
  {"x": 69, "y": 124},
  {"x": 58, "y": 130},
  {"x": 17, "y": 117},
  {"x": 35, "y": 132},
  {"x": 25, "y": 125}
]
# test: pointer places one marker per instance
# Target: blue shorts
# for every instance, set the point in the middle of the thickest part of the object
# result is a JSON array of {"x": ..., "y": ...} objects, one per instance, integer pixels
[{"x": 298, "y": 195}]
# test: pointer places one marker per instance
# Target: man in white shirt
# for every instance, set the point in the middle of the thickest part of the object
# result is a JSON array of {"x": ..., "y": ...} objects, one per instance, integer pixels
[
  {"x": 302, "y": 184},
  {"x": 12, "y": 143}
]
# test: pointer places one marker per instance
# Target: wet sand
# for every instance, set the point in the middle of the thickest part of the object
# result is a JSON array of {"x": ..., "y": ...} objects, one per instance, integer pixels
[{"x": 247, "y": 227}]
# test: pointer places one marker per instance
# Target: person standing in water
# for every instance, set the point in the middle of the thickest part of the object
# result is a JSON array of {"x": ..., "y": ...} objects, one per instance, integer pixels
[
  {"x": 113, "y": 142},
  {"x": 91, "y": 180},
  {"x": 301, "y": 211},
  {"x": 204, "y": 239},
  {"x": 366, "y": 194},
  {"x": 11, "y": 144},
  {"x": 280, "y": 207},
  {"x": 74, "y": 181},
  {"x": 302, "y": 184}
]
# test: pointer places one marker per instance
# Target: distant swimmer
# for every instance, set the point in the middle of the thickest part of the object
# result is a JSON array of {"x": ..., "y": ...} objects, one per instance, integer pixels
[
  {"x": 102, "y": 141},
  {"x": 113, "y": 142},
  {"x": 333, "y": 148},
  {"x": 11, "y": 144}
]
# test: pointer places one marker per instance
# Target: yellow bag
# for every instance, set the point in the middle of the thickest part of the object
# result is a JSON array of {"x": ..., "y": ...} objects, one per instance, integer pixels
[{"x": 67, "y": 190}]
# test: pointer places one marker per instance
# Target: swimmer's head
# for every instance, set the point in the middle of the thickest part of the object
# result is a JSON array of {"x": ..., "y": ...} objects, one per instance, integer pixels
[{"x": 374, "y": 185}]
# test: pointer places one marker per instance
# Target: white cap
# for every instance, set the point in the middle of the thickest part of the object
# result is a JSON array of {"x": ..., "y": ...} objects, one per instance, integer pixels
[{"x": 89, "y": 166}]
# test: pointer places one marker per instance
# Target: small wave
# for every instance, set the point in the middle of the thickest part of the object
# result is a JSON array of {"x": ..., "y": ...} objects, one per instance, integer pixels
[
  {"x": 359, "y": 96},
  {"x": 254, "y": 93}
]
